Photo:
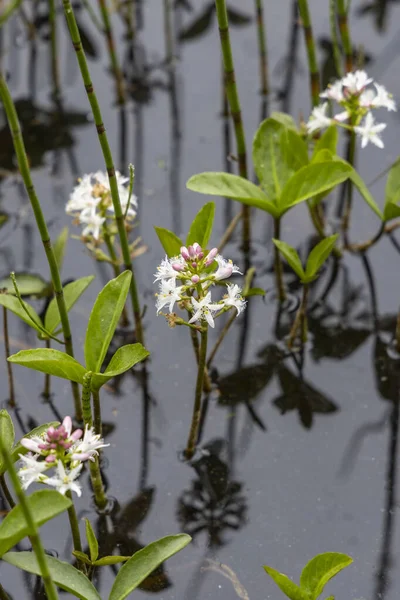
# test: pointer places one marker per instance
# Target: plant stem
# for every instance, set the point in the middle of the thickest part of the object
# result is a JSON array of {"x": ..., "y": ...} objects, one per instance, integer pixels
[
  {"x": 311, "y": 53},
  {"x": 262, "y": 47},
  {"x": 96, "y": 412},
  {"x": 34, "y": 537},
  {"x": 108, "y": 159},
  {"x": 115, "y": 66},
  {"x": 95, "y": 473},
  {"x": 76, "y": 536},
  {"x": 115, "y": 265},
  {"x": 11, "y": 390},
  {"x": 334, "y": 38},
  {"x": 280, "y": 288},
  {"x": 168, "y": 32},
  {"x": 6, "y": 491},
  {"x": 300, "y": 321},
  {"x": 345, "y": 34},
  {"x": 23, "y": 165},
  {"x": 221, "y": 337},
  {"x": 196, "y": 348},
  {"x": 363, "y": 246},
  {"x": 234, "y": 104},
  {"x": 194, "y": 427},
  {"x": 349, "y": 186},
  {"x": 47, "y": 378},
  {"x": 55, "y": 72}
]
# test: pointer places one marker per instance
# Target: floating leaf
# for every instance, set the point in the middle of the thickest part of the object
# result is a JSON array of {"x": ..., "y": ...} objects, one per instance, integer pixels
[
  {"x": 7, "y": 435},
  {"x": 201, "y": 228},
  {"x": 104, "y": 319},
  {"x": 320, "y": 570},
  {"x": 44, "y": 505},
  {"x": 63, "y": 574},
  {"x": 12, "y": 304},
  {"x": 291, "y": 256},
  {"x": 169, "y": 241},
  {"x": 28, "y": 285},
  {"x": 37, "y": 431},
  {"x": 143, "y": 562},
  {"x": 319, "y": 255},
  {"x": 72, "y": 292},
  {"x": 290, "y": 589},
  {"x": 52, "y": 362},
  {"x": 92, "y": 541},
  {"x": 123, "y": 360}
]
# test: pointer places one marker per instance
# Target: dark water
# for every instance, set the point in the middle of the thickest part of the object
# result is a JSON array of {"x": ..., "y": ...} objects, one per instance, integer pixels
[{"x": 303, "y": 456}]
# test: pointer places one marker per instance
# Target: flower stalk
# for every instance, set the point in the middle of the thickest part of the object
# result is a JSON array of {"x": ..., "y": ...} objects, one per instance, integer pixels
[
  {"x": 196, "y": 417},
  {"x": 23, "y": 165},
  {"x": 11, "y": 389},
  {"x": 311, "y": 53},
  {"x": 108, "y": 159},
  {"x": 76, "y": 536}
]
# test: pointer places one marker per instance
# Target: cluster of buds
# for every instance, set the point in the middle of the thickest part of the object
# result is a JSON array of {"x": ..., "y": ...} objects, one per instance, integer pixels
[
  {"x": 186, "y": 279},
  {"x": 62, "y": 448},
  {"x": 91, "y": 203},
  {"x": 356, "y": 101}
]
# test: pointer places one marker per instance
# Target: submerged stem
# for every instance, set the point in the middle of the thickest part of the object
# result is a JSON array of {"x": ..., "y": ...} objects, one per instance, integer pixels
[
  {"x": 311, "y": 53},
  {"x": 11, "y": 389},
  {"x": 194, "y": 427},
  {"x": 300, "y": 321},
  {"x": 278, "y": 268},
  {"x": 23, "y": 165}
]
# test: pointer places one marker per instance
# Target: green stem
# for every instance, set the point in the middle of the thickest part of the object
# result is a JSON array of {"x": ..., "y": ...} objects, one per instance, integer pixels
[
  {"x": 278, "y": 268},
  {"x": 96, "y": 412},
  {"x": 115, "y": 66},
  {"x": 47, "y": 378},
  {"x": 11, "y": 389},
  {"x": 76, "y": 536},
  {"x": 6, "y": 491},
  {"x": 311, "y": 53},
  {"x": 55, "y": 72},
  {"x": 262, "y": 47},
  {"x": 334, "y": 37},
  {"x": 108, "y": 159},
  {"x": 36, "y": 542},
  {"x": 234, "y": 105},
  {"x": 86, "y": 393},
  {"x": 194, "y": 427},
  {"x": 115, "y": 265},
  {"x": 300, "y": 321},
  {"x": 196, "y": 348},
  {"x": 345, "y": 34},
  {"x": 349, "y": 185},
  {"x": 23, "y": 165}
]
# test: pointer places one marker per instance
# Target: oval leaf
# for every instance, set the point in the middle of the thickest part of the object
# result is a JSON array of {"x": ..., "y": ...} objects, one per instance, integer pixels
[
  {"x": 201, "y": 228},
  {"x": 290, "y": 589},
  {"x": 327, "y": 141},
  {"x": 72, "y": 292},
  {"x": 28, "y": 285},
  {"x": 123, "y": 360},
  {"x": 312, "y": 180},
  {"x": 63, "y": 574},
  {"x": 7, "y": 435},
  {"x": 143, "y": 562},
  {"x": 44, "y": 505},
  {"x": 318, "y": 256},
  {"x": 104, "y": 319},
  {"x": 320, "y": 570},
  {"x": 92, "y": 541},
  {"x": 19, "y": 449},
  {"x": 52, "y": 362},
  {"x": 111, "y": 560},
  {"x": 227, "y": 185},
  {"x": 169, "y": 241},
  {"x": 12, "y": 304},
  {"x": 291, "y": 256},
  {"x": 286, "y": 120}
]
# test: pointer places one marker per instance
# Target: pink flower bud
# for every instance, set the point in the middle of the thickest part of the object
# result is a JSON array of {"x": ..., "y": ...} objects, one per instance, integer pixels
[
  {"x": 195, "y": 279},
  {"x": 194, "y": 265},
  {"x": 185, "y": 253},
  {"x": 67, "y": 424},
  {"x": 50, "y": 459},
  {"x": 197, "y": 248},
  {"x": 210, "y": 256},
  {"x": 44, "y": 446},
  {"x": 76, "y": 435},
  {"x": 192, "y": 252},
  {"x": 178, "y": 267},
  {"x": 30, "y": 445},
  {"x": 200, "y": 255}
]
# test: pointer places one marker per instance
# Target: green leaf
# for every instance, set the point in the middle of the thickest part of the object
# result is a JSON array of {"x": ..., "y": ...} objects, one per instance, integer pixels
[
  {"x": 28, "y": 285},
  {"x": 227, "y": 185},
  {"x": 365, "y": 193},
  {"x": 291, "y": 256},
  {"x": 72, "y": 292},
  {"x": 63, "y": 574},
  {"x": 327, "y": 141},
  {"x": 284, "y": 119},
  {"x": 59, "y": 247},
  {"x": 12, "y": 304},
  {"x": 312, "y": 180},
  {"x": 320, "y": 570},
  {"x": 92, "y": 541},
  {"x": 123, "y": 360},
  {"x": 52, "y": 362},
  {"x": 7, "y": 435},
  {"x": 295, "y": 149},
  {"x": 290, "y": 589},
  {"x": 319, "y": 255},
  {"x": 143, "y": 562},
  {"x": 254, "y": 292},
  {"x": 82, "y": 557},
  {"x": 44, "y": 505},
  {"x": 104, "y": 319},
  {"x": 392, "y": 192},
  {"x": 37, "y": 431},
  {"x": 111, "y": 560},
  {"x": 201, "y": 228},
  {"x": 270, "y": 159},
  {"x": 169, "y": 241}
]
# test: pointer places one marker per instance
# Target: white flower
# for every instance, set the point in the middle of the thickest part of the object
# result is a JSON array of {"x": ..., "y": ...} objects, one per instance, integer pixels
[
  {"x": 65, "y": 480},
  {"x": 123, "y": 191},
  {"x": 165, "y": 270},
  {"x": 377, "y": 99},
  {"x": 88, "y": 447},
  {"x": 356, "y": 82},
  {"x": 225, "y": 268},
  {"x": 93, "y": 224},
  {"x": 234, "y": 298},
  {"x": 30, "y": 469},
  {"x": 370, "y": 132},
  {"x": 169, "y": 294},
  {"x": 81, "y": 200},
  {"x": 204, "y": 310},
  {"x": 318, "y": 118},
  {"x": 334, "y": 91},
  {"x": 32, "y": 443}
]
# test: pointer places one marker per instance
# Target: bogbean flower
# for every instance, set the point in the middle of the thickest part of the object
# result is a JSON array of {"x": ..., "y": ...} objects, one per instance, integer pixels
[
  {"x": 62, "y": 448},
  {"x": 91, "y": 203},
  {"x": 187, "y": 279},
  {"x": 357, "y": 95}
]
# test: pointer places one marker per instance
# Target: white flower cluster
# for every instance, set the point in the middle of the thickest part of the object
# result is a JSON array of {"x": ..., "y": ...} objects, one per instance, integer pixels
[
  {"x": 91, "y": 203},
  {"x": 187, "y": 279},
  {"x": 62, "y": 448},
  {"x": 358, "y": 100}
]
